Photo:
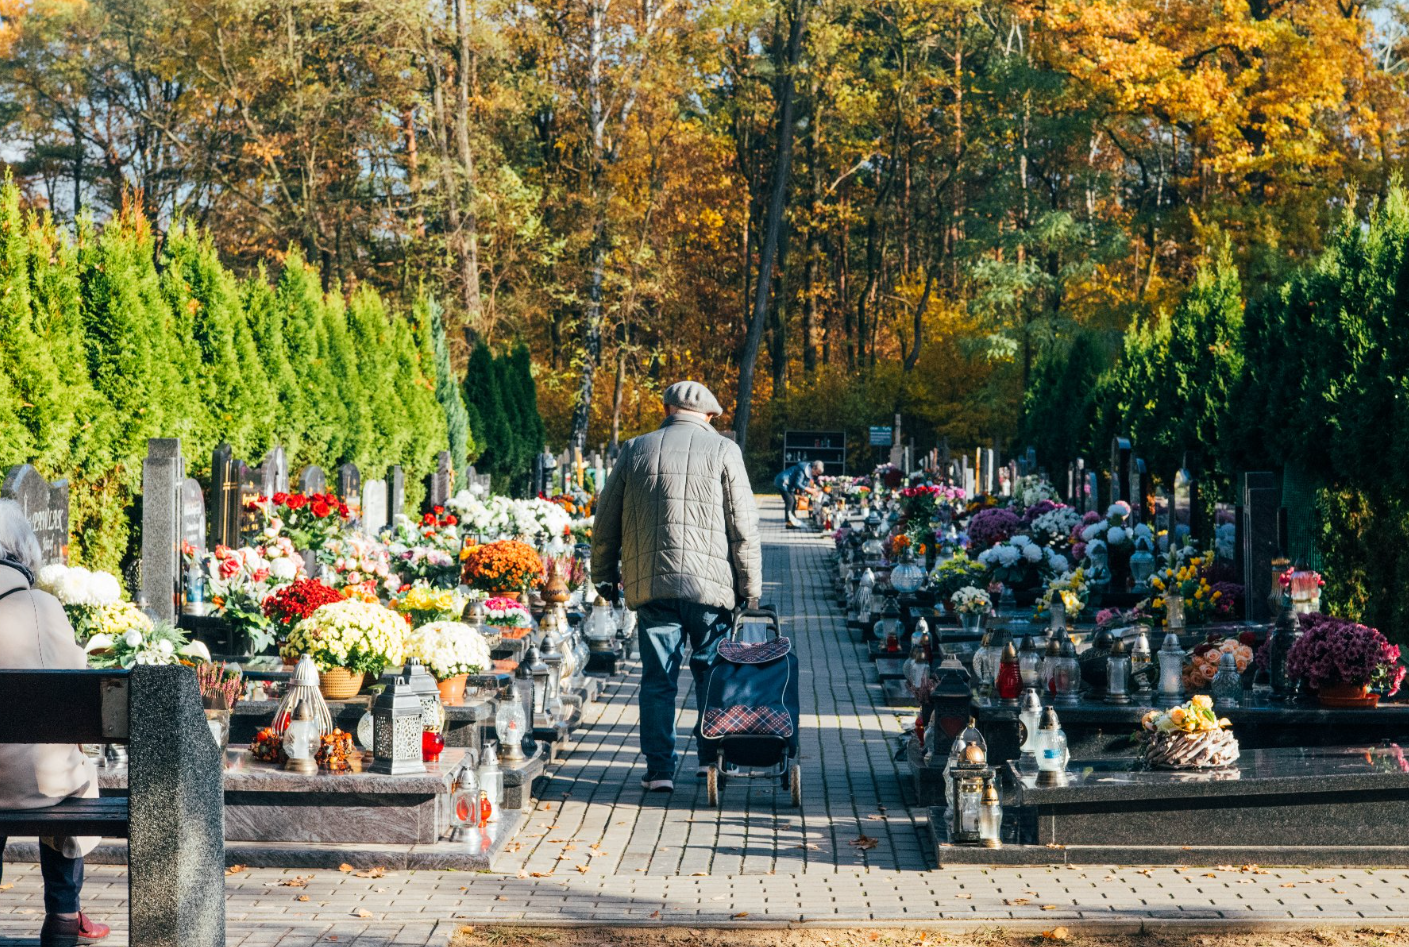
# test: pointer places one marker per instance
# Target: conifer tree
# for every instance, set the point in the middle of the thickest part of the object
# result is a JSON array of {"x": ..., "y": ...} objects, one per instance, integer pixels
[
  {"x": 299, "y": 308},
  {"x": 482, "y": 393},
  {"x": 289, "y": 415},
  {"x": 435, "y": 355}
]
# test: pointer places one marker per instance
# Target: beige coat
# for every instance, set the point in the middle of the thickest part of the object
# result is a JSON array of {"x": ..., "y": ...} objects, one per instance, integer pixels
[
  {"x": 35, "y": 634},
  {"x": 678, "y": 513}
]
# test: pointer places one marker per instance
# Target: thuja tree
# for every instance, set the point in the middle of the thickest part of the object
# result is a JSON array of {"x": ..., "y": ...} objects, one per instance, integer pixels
[
  {"x": 299, "y": 307},
  {"x": 435, "y": 357},
  {"x": 1059, "y": 409},
  {"x": 487, "y": 417}
]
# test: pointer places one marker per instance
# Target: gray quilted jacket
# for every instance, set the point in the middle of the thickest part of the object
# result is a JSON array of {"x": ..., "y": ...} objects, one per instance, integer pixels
[{"x": 678, "y": 512}]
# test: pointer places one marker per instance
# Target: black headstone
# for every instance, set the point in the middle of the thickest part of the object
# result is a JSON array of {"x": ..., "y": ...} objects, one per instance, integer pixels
[
  {"x": 350, "y": 483},
  {"x": 224, "y": 497},
  {"x": 1258, "y": 506},
  {"x": 395, "y": 493},
  {"x": 45, "y": 505},
  {"x": 312, "y": 480},
  {"x": 440, "y": 483},
  {"x": 1120, "y": 468},
  {"x": 1139, "y": 490}
]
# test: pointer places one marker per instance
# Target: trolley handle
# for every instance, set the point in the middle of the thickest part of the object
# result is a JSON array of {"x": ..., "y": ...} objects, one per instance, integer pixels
[{"x": 754, "y": 610}]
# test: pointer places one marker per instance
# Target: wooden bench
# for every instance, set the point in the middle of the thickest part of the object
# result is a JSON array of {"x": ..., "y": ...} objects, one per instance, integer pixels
[{"x": 173, "y": 815}]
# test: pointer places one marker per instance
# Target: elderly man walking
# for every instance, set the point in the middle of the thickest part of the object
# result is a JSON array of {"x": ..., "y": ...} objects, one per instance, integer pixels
[{"x": 677, "y": 514}]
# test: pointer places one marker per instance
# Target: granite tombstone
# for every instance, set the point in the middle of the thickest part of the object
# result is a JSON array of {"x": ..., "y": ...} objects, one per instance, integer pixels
[
  {"x": 45, "y": 505},
  {"x": 163, "y": 482}
]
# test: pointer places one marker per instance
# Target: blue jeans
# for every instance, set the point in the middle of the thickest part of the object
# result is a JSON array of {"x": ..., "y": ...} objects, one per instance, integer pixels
[
  {"x": 63, "y": 879},
  {"x": 665, "y": 625}
]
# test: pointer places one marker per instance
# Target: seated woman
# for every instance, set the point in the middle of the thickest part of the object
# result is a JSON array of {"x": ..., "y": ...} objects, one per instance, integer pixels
[{"x": 35, "y": 635}]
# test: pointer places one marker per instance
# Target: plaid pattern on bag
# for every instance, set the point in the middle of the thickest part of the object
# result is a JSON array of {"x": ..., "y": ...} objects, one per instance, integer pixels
[
  {"x": 742, "y": 652},
  {"x": 750, "y": 721}
]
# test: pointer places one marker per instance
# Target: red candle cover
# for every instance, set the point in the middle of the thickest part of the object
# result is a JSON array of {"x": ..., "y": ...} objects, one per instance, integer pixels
[
  {"x": 1010, "y": 681},
  {"x": 431, "y": 745}
]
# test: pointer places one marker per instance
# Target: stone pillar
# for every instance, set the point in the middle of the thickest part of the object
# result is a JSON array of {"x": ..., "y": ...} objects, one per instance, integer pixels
[
  {"x": 176, "y": 822},
  {"x": 1121, "y": 449},
  {"x": 163, "y": 476},
  {"x": 395, "y": 492}
]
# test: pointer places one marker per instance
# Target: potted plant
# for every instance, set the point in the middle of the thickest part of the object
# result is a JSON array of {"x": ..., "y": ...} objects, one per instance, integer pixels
[
  {"x": 1343, "y": 661},
  {"x": 1022, "y": 566},
  {"x": 451, "y": 651},
  {"x": 955, "y": 573},
  {"x": 505, "y": 567},
  {"x": 972, "y": 604},
  {"x": 348, "y": 640}
]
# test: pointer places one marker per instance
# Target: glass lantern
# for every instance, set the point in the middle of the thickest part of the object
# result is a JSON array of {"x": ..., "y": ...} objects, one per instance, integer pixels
[
  {"x": 1008, "y": 683},
  {"x": 464, "y": 806},
  {"x": 1029, "y": 662},
  {"x": 301, "y": 741},
  {"x": 600, "y": 626},
  {"x": 1051, "y": 746},
  {"x": 510, "y": 726},
  {"x": 1284, "y": 635},
  {"x": 541, "y": 675},
  {"x": 969, "y": 737},
  {"x": 907, "y": 577},
  {"x": 491, "y": 779},
  {"x": 889, "y": 628},
  {"x": 1174, "y": 612},
  {"x": 1066, "y": 675},
  {"x": 967, "y": 781},
  {"x": 1052, "y": 653},
  {"x": 1029, "y": 716},
  {"x": 1141, "y": 665},
  {"x": 873, "y": 551},
  {"x": 1118, "y": 673},
  {"x": 1227, "y": 684},
  {"x": 1171, "y": 672},
  {"x": 990, "y": 818},
  {"x": 397, "y": 729},
  {"x": 1058, "y": 616},
  {"x": 1142, "y": 563},
  {"x": 922, "y": 635},
  {"x": 865, "y": 595}
]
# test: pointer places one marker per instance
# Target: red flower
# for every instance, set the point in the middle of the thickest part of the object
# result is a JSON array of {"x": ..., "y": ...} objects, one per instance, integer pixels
[
  {"x": 297, "y": 501},
  {"x": 261, "y": 574},
  {"x": 229, "y": 568},
  {"x": 281, "y": 498},
  {"x": 321, "y": 508},
  {"x": 438, "y": 510},
  {"x": 451, "y": 521}
]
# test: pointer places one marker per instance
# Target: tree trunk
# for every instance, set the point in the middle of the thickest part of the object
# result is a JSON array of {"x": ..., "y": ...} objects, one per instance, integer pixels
[
  {"x": 773, "y": 229},
  {"x": 469, "y": 234},
  {"x": 920, "y": 308},
  {"x": 778, "y": 345}
]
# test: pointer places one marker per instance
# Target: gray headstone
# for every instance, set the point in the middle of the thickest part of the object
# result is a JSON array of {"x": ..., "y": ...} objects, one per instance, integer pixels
[
  {"x": 1091, "y": 496},
  {"x": 440, "y": 483},
  {"x": 374, "y": 506},
  {"x": 275, "y": 470},
  {"x": 1120, "y": 468},
  {"x": 176, "y": 814},
  {"x": 193, "y": 524},
  {"x": 312, "y": 480},
  {"x": 224, "y": 497},
  {"x": 1181, "y": 505},
  {"x": 45, "y": 505},
  {"x": 163, "y": 481},
  {"x": 990, "y": 471},
  {"x": 1258, "y": 506},
  {"x": 395, "y": 492},
  {"x": 968, "y": 481}
]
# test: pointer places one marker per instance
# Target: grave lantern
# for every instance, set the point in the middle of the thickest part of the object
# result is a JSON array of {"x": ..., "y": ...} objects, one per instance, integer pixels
[
  {"x": 1284, "y": 634},
  {"x": 511, "y": 726},
  {"x": 1174, "y": 612},
  {"x": 865, "y": 592},
  {"x": 464, "y": 805},
  {"x": 922, "y": 635},
  {"x": 1066, "y": 674},
  {"x": 1141, "y": 664},
  {"x": 491, "y": 782},
  {"x": 600, "y": 628},
  {"x": 301, "y": 739},
  {"x": 950, "y": 705},
  {"x": 1171, "y": 672},
  {"x": 1142, "y": 563},
  {"x": 540, "y": 674},
  {"x": 554, "y": 659},
  {"x": 1051, "y": 655},
  {"x": 1051, "y": 746},
  {"x": 1227, "y": 684},
  {"x": 1118, "y": 674},
  {"x": 1029, "y": 662},
  {"x": 889, "y": 627},
  {"x": 1029, "y": 716},
  {"x": 907, "y": 577},
  {"x": 1009, "y": 681},
  {"x": 990, "y": 818},
  {"x": 968, "y": 778},
  {"x": 397, "y": 729}
]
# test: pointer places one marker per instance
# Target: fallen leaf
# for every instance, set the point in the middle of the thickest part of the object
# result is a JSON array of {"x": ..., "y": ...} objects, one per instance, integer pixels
[
  {"x": 965, "y": 896},
  {"x": 345, "y": 867},
  {"x": 569, "y": 848},
  {"x": 378, "y": 872},
  {"x": 864, "y": 842},
  {"x": 655, "y": 914},
  {"x": 699, "y": 874},
  {"x": 875, "y": 818},
  {"x": 541, "y": 874},
  {"x": 362, "y": 912},
  {"x": 1209, "y": 874},
  {"x": 301, "y": 882},
  {"x": 302, "y": 897},
  {"x": 1056, "y": 933},
  {"x": 1015, "y": 901},
  {"x": 1049, "y": 907},
  {"x": 1288, "y": 885},
  {"x": 582, "y": 868},
  {"x": 232, "y": 870},
  {"x": 8, "y": 887},
  {"x": 742, "y": 914}
]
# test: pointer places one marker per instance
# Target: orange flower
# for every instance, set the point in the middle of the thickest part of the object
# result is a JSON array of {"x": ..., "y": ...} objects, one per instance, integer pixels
[{"x": 504, "y": 566}]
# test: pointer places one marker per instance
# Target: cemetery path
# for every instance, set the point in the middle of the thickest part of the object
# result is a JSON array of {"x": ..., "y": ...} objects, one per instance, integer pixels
[{"x": 597, "y": 850}]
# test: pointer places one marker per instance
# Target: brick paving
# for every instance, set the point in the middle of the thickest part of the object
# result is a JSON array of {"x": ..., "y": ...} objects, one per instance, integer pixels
[{"x": 597, "y": 850}]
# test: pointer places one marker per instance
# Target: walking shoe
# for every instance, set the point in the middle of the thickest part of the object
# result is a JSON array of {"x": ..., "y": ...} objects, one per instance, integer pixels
[
  {"x": 791, "y": 525},
  {"x": 702, "y": 771},
  {"x": 66, "y": 931},
  {"x": 658, "y": 782}
]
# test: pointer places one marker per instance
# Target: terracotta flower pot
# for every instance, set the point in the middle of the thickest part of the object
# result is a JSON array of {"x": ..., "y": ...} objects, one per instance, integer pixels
[
  {"x": 1346, "y": 695},
  {"x": 452, "y": 690},
  {"x": 340, "y": 683}
]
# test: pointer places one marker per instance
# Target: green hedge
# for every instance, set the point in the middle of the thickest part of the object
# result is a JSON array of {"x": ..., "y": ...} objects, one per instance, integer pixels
[{"x": 104, "y": 345}]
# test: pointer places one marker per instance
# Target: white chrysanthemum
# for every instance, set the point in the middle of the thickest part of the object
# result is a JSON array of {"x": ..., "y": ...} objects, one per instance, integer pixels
[
  {"x": 1032, "y": 552},
  {"x": 283, "y": 569},
  {"x": 1008, "y": 555},
  {"x": 1093, "y": 533},
  {"x": 1142, "y": 531},
  {"x": 1115, "y": 536}
]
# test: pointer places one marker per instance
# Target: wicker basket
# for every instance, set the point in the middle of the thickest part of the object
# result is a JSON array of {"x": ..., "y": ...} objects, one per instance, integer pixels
[{"x": 340, "y": 683}]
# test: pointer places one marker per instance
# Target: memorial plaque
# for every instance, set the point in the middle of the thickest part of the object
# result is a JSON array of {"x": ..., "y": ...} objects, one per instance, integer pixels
[
  {"x": 45, "y": 505},
  {"x": 374, "y": 507},
  {"x": 193, "y": 523},
  {"x": 312, "y": 480}
]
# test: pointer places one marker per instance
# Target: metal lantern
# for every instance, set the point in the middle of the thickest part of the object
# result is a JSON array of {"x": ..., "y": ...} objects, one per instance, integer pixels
[
  {"x": 907, "y": 577},
  {"x": 1141, "y": 665},
  {"x": 464, "y": 805},
  {"x": 1029, "y": 716},
  {"x": 301, "y": 741},
  {"x": 1051, "y": 746},
  {"x": 968, "y": 778},
  {"x": 950, "y": 705},
  {"x": 873, "y": 551},
  {"x": 1118, "y": 674},
  {"x": 423, "y": 686},
  {"x": 1142, "y": 563},
  {"x": 889, "y": 628},
  {"x": 511, "y": 726},
  {"x": 990, "y": 818},
  {"x": 554, "y": 659},
  {"x": 1284, "y": 634},
  {"x": 303, "y": 688},
  {"x": 1171, "y": 672},
  {"x": 1227, "y": 684},
  {"x": 540, "y": 674},
  {"x": 1029, "y": 662},
  {"x": 397, "y": 729},
  {"x": 1067, "y": 674}
]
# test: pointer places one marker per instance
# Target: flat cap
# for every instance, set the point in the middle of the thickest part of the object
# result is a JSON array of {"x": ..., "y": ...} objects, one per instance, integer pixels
[{"x": 692, "y": 396}]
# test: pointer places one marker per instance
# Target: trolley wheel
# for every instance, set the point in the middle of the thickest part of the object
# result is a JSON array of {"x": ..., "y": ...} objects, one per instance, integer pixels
[
  {"x": 795, "y": 784},
  {"x": 712, "y": 786}
]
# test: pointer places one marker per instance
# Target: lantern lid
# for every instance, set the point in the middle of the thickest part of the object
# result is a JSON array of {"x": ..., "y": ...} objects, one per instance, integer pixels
[
  {"x": 1141, "y": 644},
  {"x": 891, "y": 609},
  {"x": 974, "y": 754},
  {"x": 599, "y": 602},
  {"x": 1118, "y": 647},
  {"x": 301, "y": 711},
  {"x": 305, "y": 672},
  {"x": 420, "y": 679},
  {"x": 1010, "y": 653},
  {"x": 1229, "y": 662},
  {"x": 399, "y": 696},
  {"x": 1049, "y": 719},
  {"x": 1028, "y": 645},
  {"x": 990, "y": 795},
  {"x": 1171, "y": 644},
  {"x": 1054, "y": 647},
  {"x": 1068, "y": 648}
]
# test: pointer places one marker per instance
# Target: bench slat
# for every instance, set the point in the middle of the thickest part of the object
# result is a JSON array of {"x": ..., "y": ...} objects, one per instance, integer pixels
[
  {"x": 63, "y": 706},
  {"x": 106, "y": 816}
]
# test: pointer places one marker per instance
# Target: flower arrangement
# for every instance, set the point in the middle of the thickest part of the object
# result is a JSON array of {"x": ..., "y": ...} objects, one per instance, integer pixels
[
  {"x": 335, "y": 752},
  {"x": 240, "y": 579},
  {"x": 422, "y": 605},
  {"x": 920, "y": 503},
  {"x": 988, "y": 528},
  {"x": 506, "y": 613},
  {"x": 426, "y": 551},
  {"x": 268, "y": 746},
  {"x": 296, "y": 601},
  {"x": 956, "y": 573},
  {"x": 1032, "y": 489},
  {"x": 135, "y": 640},
  {"x": 503, "y": 566},
  {"x": 222, "y": 680},
  {"x": 82, "y": 594},
  {"x": 353, "y": 560},
  {"x": 449, "y": 649},
  {"x": 1334, "y": 651},
  {"x": 1071, "y": 587},
  {"x": 1185, "y": 574},
  {"x": 1193, "y": 716},
  {"x": 1205, "y": 657},
  {"x": 971, "y": 600},
  {"x": 1305, "y": 588},
  {"x": 534, "y": 521},
  {"x": 1054, "y": 526},
  {"x": 1020, "y": 563},
  {"x": 308, "y": 520},
  {"x": 351, "y": 634}
]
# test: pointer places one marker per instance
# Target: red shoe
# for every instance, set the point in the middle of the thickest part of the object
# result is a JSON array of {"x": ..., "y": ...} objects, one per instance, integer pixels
[{"x": 66, "y": 931}]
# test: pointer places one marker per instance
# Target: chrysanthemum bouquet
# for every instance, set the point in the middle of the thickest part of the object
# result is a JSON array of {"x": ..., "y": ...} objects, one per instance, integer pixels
[
  {"x": 423, "y": 605},
  {"x": 134, "y": 639},
  {"x": 448, "y": 649},
  {"x": 352, "y": 634},
  {"x": 504, "y": 566},
  {"x": 971, "y": 600},
  {"x": 83, "y": 594},
  {"x": 506, "y": 613}
]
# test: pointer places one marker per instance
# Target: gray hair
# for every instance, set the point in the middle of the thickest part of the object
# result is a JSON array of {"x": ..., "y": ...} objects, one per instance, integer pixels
[
  {"x": 818, "y": 465},
  {"x": 17, "y": 539}
]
